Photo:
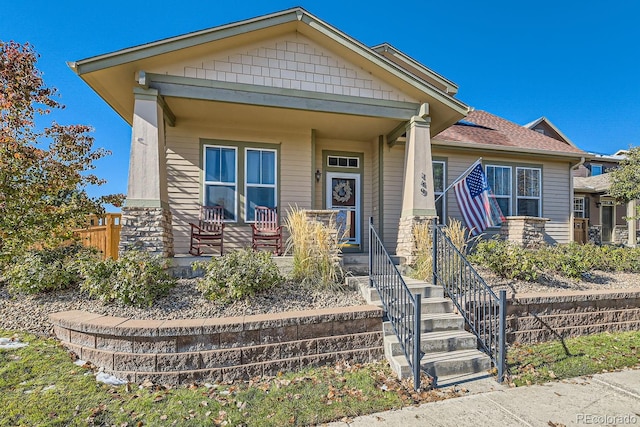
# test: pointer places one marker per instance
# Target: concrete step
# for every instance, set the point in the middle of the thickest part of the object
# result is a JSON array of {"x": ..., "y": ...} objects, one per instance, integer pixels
[
  {"x": 433, "y": 322},
  {"x": 455, "y": 363},
  {"x": 435, "y": 342},
  {"x": 425, "y": 290},
  {"x": 446, "y": 368}
]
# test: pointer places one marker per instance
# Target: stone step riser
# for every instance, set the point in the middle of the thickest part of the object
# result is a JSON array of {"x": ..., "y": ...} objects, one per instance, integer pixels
[
  {"x": 371, "y": 294},
  {"x": 435, "y": 345},
  {"x": 457, "y": 367},
  {"x": 433, "y": 325}
]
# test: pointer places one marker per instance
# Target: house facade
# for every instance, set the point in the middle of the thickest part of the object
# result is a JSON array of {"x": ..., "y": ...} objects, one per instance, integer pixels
[
  {"x": 285, "y": 110},
  {"x": 605, "y": 218}
]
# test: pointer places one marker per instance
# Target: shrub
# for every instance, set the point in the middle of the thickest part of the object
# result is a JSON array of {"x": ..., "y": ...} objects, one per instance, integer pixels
[
  {"x": 135, "y": 278},
  {"x": 46, "y": 270},
  {"x": 237, "y": 275},
  {"x": 316, "y": 250},
  {"x": 506, "y": 259}
]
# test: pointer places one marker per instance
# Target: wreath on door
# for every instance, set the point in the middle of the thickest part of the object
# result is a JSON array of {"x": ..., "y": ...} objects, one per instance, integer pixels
[{"x": 342, "y": 191}]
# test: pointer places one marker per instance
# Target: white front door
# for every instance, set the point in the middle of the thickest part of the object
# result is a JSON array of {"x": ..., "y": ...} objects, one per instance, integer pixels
[{"x": 343, "y": 195}]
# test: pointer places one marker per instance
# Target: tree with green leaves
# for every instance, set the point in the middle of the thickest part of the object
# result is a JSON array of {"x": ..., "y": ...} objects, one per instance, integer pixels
[
  {"x": 44, "y": 170},
  {"x": 625, "y": 179}
]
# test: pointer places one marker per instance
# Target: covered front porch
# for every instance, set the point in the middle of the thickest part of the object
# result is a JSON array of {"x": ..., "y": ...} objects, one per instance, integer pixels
[{"x": 280, "y": 111}]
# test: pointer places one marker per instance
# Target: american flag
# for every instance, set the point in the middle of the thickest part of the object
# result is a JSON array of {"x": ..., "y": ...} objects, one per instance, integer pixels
[{"x": 477, "y": 204}]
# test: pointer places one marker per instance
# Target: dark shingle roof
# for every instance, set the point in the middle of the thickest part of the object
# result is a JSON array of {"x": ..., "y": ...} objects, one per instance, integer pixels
[{"x": 480, "y": 127}]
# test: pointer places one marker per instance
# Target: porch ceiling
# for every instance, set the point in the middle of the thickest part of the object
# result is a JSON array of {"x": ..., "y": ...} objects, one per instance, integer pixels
[{"x": 326, "y": 125}]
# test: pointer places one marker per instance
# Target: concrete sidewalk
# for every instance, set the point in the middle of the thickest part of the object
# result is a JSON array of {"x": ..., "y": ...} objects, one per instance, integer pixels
[{"x": 603, "y": 399}]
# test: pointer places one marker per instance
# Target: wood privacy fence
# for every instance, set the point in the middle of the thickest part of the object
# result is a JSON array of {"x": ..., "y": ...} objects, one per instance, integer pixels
[{"x": 103, "y": 233}]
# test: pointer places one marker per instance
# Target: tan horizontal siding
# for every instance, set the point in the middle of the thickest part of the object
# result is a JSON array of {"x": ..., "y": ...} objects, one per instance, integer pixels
[
  {"x": 557, "y": 200},
  {"x": 184, "y": 185},
  {"x": 393, "y": 176}
]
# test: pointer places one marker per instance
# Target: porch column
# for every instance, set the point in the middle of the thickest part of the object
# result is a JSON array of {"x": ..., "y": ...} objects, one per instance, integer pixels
[
  {"x": 631, "y": 223},
  {"x": 146, "y": 217},
  {"x": 418, "y": 201}
]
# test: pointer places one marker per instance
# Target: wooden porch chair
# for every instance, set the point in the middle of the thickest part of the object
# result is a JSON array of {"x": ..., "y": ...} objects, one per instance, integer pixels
[
  {"x": 208, "y": 231},
  {"x": 265, "y": 230}
]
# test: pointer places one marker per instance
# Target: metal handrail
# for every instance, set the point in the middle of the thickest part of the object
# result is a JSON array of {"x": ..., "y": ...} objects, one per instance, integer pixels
[
  {"x": 483, "y": 310},
  {"x": 402, "y": 308}
]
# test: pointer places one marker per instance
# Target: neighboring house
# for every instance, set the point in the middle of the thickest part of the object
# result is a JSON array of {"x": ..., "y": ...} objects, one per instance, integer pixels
[
  {"x": 286, "y": 110},
  {"x": 529, "y": 173},
  {"x": 598, "y": 218},
  {"x": 605, "y": 218}
]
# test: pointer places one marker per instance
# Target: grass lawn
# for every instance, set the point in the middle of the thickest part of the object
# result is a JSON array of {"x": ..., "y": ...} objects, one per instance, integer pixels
[
  {"x": 532, "y": 364},
  {"x": 40, "y": 385}
]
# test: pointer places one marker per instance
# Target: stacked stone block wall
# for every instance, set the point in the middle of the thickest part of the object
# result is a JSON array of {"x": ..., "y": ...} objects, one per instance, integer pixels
[
  {"x": 525, "y": 231},
  {"x": 221, "y": 349},
  {"x": 537, "y": 318},
  {"x": 147, "y": 229}
]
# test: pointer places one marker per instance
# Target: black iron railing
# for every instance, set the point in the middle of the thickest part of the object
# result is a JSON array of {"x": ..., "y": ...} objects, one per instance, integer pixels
[
  {"x": 402, "y": 308},
  {"x": 483, "y": 311}
]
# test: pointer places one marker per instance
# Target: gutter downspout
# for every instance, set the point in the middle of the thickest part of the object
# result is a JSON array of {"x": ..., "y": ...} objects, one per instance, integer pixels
[{"x": 571, "y": 216}]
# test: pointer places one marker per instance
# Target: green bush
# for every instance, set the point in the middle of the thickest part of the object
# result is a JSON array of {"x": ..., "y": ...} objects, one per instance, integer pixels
[
  {"x": 572, "y": 260},
  {"x": 46, "y": 270},
  {"x": 506, "y": 259},
  {"x": 237, "y": 275},
  {"x": 135, "y": 278}
]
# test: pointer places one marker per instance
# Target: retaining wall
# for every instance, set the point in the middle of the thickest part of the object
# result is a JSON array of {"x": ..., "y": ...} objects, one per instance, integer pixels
[
  {"x": 535, "y": 318},
  {"x": 221, "y": 349}
]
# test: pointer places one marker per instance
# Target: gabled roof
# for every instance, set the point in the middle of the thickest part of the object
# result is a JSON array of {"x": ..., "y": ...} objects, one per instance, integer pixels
[
  {"x": 111, "y": 75},
  {"x": 482, "y": 129},
  {"x": 544, "y": 121}
]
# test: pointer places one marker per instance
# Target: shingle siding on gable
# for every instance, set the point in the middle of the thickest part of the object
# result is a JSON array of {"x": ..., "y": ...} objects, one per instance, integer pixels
[{"x": 290, "y": 64}]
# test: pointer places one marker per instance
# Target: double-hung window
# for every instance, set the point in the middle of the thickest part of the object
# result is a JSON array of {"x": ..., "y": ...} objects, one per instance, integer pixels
[
  {"x": 529, "y": 194},
  {"x": 499, "y": 179},
  {"x": 439, "y": 181},
  {"x": 220, "y": 179},
  {"x": 578, "y": 207},
  {"x": 260, "y": 180}
]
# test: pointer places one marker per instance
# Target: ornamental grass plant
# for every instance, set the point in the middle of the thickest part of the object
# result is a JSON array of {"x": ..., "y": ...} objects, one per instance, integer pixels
[{"x": 316, "y": 250}]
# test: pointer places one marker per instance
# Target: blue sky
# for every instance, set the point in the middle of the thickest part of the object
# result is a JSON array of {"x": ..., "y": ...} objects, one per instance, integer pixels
[{"x": 577, "y": 63}]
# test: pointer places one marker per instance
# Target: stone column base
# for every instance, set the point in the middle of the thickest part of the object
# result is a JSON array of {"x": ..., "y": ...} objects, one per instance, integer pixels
[
  {"x": 406, "y": 245},
  {"x": 526, "y": 231},
  {"x": 147, "y": 229}
]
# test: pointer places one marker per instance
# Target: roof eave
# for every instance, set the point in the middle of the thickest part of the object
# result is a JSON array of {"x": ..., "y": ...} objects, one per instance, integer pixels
[
  {"x": 451, "y": 86},
  {"x": 508, "y": 149}
]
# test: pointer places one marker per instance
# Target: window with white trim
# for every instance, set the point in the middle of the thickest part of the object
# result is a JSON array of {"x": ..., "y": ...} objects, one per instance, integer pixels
[
  {"x": 260, "y": 180},
  {"x": 220, "y": 179},
  {"x": 528, "y": 194},
  {"x": 578, "y": 207},
  {"x": 439, "y": 181},
  {"x": 499, "y": 179},
  {"x": 596, "y": 170}
]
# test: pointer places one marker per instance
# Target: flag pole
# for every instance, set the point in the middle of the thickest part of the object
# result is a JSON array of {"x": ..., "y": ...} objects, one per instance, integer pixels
[{"x": 464, "y": 174}]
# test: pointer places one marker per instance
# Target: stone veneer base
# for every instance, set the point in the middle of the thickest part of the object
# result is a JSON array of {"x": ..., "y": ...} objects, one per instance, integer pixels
[{"x": 221, "y": 349}]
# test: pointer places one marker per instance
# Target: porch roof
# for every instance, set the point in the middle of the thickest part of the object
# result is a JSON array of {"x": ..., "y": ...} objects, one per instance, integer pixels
[
  {"x": 114, "y": 75},
  {"x": 592, "y": 184}
]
